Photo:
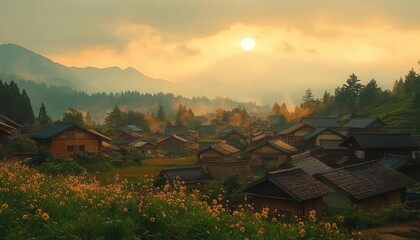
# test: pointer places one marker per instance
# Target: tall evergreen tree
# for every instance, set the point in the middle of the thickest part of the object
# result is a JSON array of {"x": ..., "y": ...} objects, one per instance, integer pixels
[
  {"x": 43, "y": 117},
  {"x": 115, "y": 117},
  {"x": 161, "y": 114},
  {"x": 73, "y": 116}
]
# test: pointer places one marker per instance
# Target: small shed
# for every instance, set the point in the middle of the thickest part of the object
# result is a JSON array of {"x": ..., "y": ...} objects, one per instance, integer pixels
[
  {"x": 146, "y": 149},
  {"x": 175, "y": 144},
  {"x": 291, "y": 192}
]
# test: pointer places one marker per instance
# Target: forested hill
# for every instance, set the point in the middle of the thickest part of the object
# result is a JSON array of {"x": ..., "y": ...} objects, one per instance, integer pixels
[{"x": 58, "y": 99}]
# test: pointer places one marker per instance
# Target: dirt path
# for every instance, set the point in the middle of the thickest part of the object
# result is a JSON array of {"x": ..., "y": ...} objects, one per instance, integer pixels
[{"x": 395, "y": 231}]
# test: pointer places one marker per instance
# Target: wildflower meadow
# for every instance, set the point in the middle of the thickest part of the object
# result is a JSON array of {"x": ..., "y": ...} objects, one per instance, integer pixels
[{"x": 39, "y": 206}]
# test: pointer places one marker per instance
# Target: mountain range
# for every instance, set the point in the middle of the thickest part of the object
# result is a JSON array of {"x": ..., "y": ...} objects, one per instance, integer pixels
[{"x": 21, "y": 63}]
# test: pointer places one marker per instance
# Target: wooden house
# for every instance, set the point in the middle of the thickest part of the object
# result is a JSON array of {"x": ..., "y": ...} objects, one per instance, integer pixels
[
  {"x": 223, "y": 170},
  {"x": 126, "y": 136},
  {"x": 260, "y": 138},
  {"x": 294, "y": 135},
  {"x": 176, "y": 145},
  {"x": 321, "y": 122},
  {"x": 367, "y": 186},
  {"x": 10, "y": 126},
  {"x": 279, "y": 127},
  {"x": 314, "y": 138},
  {"x": 207, "y": 142},
  {"x": 191, "y": 176},
  {"x": 181, "y": 131},
  {"x": 207, "y": 131},
  {"x": 233, "y": 138},
  {"x": 273, "y": 150},
  {"x": 291, "y": 192},
  {"x": 66, "y": 140},
  {"x": 371, "y": 146},
  {"x": 146, "y": 149},
  {"x": 363, "y": 125},
  {"x": 219, "y": 152}
]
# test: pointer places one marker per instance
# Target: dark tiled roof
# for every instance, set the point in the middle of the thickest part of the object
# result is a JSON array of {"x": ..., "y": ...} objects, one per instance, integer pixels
[
  {"x": 208, "y": 128},
  {"x": 321, "y": 122},
  {"x": 222, "y": 170},
  {"x": 293, "y": 128},
  {"x": 361, "y": 122},
  {"x": 186, "y": 174},
  {"x": 385, "y": 140},
  {"x": 229, "y": 129},
  {"x": 299, "y": 184},
  {"x": 135, "y": 128},
  {"x": 278, "y": 127},
  {"x": 367, "y": 179},
  {"x": 224, "y": 148},
  {"x": 140, "y": 144},
  {"x": 50, "y": 131},
  {"x": 104, "y": 137},
  {"x": 309, "y": 164},
  {"x": 231, "y": 132},
  {"x": 179, "y": 130}
]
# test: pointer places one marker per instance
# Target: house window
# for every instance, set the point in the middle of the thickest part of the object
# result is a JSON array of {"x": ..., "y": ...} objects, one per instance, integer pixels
[
  {"x": 360, "y": 154},
  {"x": 81, "y": 148},
  {"x": 70, "y": 148}
]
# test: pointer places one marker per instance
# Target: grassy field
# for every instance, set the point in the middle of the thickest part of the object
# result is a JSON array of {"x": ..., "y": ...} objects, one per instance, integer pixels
[{"x": 150, "y": 167}]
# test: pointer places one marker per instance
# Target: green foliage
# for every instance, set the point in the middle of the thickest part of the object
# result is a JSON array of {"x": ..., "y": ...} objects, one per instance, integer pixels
[
  {"x": 397, "y": 212},
  {"x": 43, "y": 117},
  {"x": 73, "y": 116},
  {"x": 42, "y": 155},
  {"x": 15, "y": 105},
  {"x": 67, "y": 166},
  {"x": 23, "y": 144}
]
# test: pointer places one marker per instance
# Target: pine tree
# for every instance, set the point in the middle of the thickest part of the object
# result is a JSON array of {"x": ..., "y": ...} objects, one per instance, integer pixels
[
  {"x": 115, "y": 117},
  {"x": 161, "y": 114},
  {"x": 43, "y": 117}
]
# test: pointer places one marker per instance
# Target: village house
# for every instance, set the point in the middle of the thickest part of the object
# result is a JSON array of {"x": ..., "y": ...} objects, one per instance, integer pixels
[
  {"x": 66, "y": 140},
  {"x": 309, "y": 164},
  {"x": 260, "y": 138},
  {"x": 314, "y": 138},
  {"x": 193, "y": 177},
  {"x": 363, "y": 125},
  {"x": 367, "y": 186},
  {"x": 181, "y": 131},
  {"x": 371, "y": 146},
  {"x": 219, "y": 152},
  {"x": 321, "y": 122},
  {"x": 233, "y": 137},
  {"x": 207, "y": 142},
  {"x": 222, "y": 170},
  {"x": 126, "y": 135},
  {"x": 291, "y": 192},
  {"x": 273, "y": 150},
  {"x": 294, "y": 135},
  {"x": 145, "y": 149},
  {"x": 11, "y": 127},
  {"x": 176, "y": 145},
  {"x": 206, "y": 131}
]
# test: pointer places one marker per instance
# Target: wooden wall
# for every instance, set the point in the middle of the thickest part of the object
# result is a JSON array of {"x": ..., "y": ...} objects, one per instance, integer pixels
[{"x": 59, "y": 144}]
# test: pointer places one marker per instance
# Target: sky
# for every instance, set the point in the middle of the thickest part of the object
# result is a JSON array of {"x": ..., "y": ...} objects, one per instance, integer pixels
[{"x": 299, "y": 44}]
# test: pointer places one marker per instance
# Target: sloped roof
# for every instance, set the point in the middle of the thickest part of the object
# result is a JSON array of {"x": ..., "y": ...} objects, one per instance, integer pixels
[
  {"x": 395, "y": 161},
  {"x": 4, "y": 126},
  {"x": 260, "y": 136},
  {"x": 367, "y": 179},
  {"x": 208, "y": 128},
  {"x": 53, "y": 130},
  {"x": 278, "y": 127},
  {"x": 135, "y": 128},
  {"x": 222, "y": 170},
  {"x": 309, "y": 164},
  {"x": 224, "y": 148},
  {"x": 321, "y": 122},
  {"x": 50, "y": 131},
  {"x": 361, "y": 122},
  {"x": 140, "y": 144},
  {"x": 228, "y": 129},
  {"x": 174, "y": 136},
  {"x": 179, "y": 130},
  {"x": 226, "y": 134},
  {"x": 280, "y": 145},
  {"x": 9, "y": 121},
  {"x": 293, "y": 128},
  {"x": 382, "y": 140},
  {"x": 296, "y": 183},
  {"x": 186, "y": 174}
]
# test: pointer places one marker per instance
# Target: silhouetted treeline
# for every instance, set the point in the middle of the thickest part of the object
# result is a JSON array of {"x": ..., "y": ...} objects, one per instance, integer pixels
[{"x": 14, "y": 104}]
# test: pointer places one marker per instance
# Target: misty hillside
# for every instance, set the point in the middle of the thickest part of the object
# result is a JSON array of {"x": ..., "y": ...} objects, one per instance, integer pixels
[{"x": 20, "y": 63}]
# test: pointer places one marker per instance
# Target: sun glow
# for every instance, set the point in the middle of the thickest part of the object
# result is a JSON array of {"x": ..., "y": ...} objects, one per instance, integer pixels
[{"x": 248, "y": 44}]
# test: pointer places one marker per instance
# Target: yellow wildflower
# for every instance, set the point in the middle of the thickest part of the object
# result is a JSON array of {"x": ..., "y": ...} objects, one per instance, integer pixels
[
  {"x": 302, "y": 232},
  {"x": 45, "y": 216},
  {"x": 242, "y": 229},
  {"x": 25, "y": 216},
  {"x": 152, "y": 219}
]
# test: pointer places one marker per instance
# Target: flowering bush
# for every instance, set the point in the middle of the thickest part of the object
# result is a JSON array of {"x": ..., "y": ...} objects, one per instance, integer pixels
[{"x": 35, "y": 205}]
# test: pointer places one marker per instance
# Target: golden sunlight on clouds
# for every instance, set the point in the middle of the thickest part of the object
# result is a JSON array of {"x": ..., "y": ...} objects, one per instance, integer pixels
[{"x": 164, "y": 56}]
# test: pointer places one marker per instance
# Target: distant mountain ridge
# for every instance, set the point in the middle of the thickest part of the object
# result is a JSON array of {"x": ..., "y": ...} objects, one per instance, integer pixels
[{"x": 25, "y": 64}]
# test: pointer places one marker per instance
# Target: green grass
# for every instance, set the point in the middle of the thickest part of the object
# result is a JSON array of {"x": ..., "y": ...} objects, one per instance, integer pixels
[{"x": 150, "y": 167}]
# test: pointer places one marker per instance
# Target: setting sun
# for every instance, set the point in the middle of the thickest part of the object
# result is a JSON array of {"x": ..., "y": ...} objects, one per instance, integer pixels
[{"x": 248, "y": 44}]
